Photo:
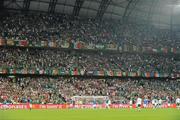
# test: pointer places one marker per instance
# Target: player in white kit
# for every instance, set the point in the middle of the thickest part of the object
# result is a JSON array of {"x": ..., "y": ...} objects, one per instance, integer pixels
[
  {"x": 131, "y": 103},
  {"x": 178, "y": 103},
  {"x": 155, "y": 103},
  {"x": 160, "y": 103},
  {"x": 138, "y": 103}
]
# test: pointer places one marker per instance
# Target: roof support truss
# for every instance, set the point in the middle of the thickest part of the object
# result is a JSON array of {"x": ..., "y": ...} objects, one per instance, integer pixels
[
  {"x": 102, "y": 8},
  {"x": 130, "y": 7},
  {"x": 10, "y": 2},
  {"x": 174, "y": 2},
  {"x": 26, "y": 5},
  {"x": 1, "y": 4},
  {"x": 52, "y": 6},
  {"x": 1, "y": 7},
  {"x": 151, "y": 12},
  {"x": 77, "y": 7}
]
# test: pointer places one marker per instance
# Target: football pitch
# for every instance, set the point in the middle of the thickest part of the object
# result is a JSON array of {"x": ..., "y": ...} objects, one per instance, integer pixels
[{"x": 91, "y": 114}]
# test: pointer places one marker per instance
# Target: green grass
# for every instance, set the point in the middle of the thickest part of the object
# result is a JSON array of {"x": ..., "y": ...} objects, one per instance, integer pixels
[{"x": 87, "y": 114}]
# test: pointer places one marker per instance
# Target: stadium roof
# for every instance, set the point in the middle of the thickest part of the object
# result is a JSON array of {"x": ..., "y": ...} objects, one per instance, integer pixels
[{"x": 159, "y": 12}]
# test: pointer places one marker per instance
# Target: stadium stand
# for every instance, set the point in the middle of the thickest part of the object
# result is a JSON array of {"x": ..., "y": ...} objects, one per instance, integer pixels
[
  {"x": 60, "y": 90},
  {"x": 85, "y": 57}
]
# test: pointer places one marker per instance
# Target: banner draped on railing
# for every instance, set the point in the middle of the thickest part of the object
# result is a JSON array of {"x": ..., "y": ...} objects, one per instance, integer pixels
[
  {"x": 83, "y": 72},
  {"x": 89, "y": 46},
  {"x": 2, "y": 42}
]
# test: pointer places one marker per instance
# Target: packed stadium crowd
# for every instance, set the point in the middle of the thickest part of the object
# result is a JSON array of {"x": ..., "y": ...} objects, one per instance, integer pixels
[
  {"x": 63, "y": 28},
  {"x": 60, "y": 90},
  {"x": 44, "y": 59}
]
